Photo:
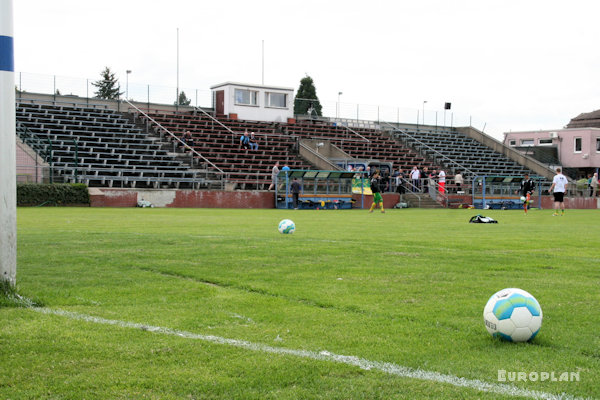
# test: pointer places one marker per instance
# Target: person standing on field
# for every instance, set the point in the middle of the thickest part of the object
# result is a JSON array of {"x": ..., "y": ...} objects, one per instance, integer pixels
[
  {"x": 558, "y": 189},
  {"x": 526, "y": 190},
  {"x": 376, "y": 189}
]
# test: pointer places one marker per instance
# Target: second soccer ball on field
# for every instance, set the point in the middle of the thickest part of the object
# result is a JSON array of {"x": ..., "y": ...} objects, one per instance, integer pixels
[{"x": 287, "y": 226}]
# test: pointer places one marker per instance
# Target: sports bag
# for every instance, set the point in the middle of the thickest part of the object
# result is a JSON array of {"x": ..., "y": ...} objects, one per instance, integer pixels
[{"x": 480, "y": 219}]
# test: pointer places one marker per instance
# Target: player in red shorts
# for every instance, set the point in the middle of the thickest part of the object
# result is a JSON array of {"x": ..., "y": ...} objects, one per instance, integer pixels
[{"x": 526, "y": 190}]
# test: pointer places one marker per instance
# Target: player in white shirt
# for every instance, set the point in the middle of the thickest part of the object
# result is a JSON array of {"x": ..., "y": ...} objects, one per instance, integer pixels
[{"x": 558, "y": 189}]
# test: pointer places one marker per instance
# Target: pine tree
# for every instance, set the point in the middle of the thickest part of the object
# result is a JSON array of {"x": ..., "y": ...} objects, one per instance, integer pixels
[
  {"x": 307, "y": 96},
  {"x": 183, "y": 100},
  {"x": 108, "y": 86}
]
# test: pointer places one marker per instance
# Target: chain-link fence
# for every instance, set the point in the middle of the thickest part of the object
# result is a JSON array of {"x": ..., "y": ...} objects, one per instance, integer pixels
[
  {"x": 428, "y": 114},
  {"x": 84, "y": 88}
]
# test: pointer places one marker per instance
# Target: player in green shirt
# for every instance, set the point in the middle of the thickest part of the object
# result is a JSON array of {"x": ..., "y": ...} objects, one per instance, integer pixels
[{"x": 375, "y": 188}]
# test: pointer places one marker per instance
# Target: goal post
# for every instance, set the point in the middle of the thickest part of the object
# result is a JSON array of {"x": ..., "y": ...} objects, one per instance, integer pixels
[{"x": 8, "y": 173}]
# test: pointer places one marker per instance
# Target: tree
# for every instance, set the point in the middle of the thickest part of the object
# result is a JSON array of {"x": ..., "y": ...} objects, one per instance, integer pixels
[
  {"x": 183, "y": 100},
  {"x": 307, "y": 96},
  {"x": 108, "y": 86}
]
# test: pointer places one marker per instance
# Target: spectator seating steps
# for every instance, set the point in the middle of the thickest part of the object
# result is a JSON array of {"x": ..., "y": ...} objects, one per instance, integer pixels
[{"x": 106, "y": 142}]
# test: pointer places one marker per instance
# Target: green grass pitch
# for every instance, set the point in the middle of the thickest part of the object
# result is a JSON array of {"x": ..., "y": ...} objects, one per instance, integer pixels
[{"x": 407, "y": 287}]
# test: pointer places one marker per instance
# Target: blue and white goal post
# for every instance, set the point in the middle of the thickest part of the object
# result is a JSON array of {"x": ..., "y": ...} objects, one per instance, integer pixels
[
  {"x": 8, "y": 173},
  {"x": 502, "y": 192},
  {"x": 320, "y": 189}
]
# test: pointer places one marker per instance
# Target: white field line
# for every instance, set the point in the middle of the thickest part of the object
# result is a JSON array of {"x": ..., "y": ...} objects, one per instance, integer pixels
[{"x": 388, "y": 368}]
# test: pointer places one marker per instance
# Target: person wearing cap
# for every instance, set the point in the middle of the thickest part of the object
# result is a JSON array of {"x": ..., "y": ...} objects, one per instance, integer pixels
[{"x": 253, "y": 142}]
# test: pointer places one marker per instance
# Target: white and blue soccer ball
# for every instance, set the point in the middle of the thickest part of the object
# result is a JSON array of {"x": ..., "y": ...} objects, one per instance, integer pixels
[
  {"x": 286, "y": 226},
  {"x": 513, "y": 315}
]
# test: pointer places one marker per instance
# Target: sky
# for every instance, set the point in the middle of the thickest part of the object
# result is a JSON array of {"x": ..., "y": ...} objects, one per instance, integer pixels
[{"x": 504, "y": 66}]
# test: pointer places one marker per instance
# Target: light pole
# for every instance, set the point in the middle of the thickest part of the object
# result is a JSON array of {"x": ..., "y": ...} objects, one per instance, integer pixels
[
  {"x": 423, "y": 116},
  {"x": 127, "y": 84},
  {"x": 337, "y": 111}
]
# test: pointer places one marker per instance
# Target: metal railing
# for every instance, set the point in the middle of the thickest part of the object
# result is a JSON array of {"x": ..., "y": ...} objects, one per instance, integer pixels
[
  {"x": 448, "y": 161},
  {"x": 320, "y": 156},
  {"x": 116, "y": 177},
  {"x": 548, "y": 160},
  {"x": 42, "y": 148},
  {"x": 356, "y": 133},
  {"x": 82, "y": 90},
  {"x": 177, "y": 140},
  {"x": 233, "y": 134},
  {"x": 434, "y": 190}
]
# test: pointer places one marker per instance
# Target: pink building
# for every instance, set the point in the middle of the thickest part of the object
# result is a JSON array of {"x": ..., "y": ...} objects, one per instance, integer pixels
[{"x": 576, "y": 148}]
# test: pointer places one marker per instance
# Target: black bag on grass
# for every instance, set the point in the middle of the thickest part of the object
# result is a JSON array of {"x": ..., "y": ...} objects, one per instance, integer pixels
[{"x": 480, "y": 219}]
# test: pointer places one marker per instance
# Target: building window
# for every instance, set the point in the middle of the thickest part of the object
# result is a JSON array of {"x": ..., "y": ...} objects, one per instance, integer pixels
[
  {"x": 512, "y": 142},
  {"x": 278, "y": 100},
  {"x": 246, "y": 97},
  {"x": 598, "y": 144},
  {"x": 527, "y": 142},
  {"x": 543, "y": 142},
  {"x": 577, "y": 144}
]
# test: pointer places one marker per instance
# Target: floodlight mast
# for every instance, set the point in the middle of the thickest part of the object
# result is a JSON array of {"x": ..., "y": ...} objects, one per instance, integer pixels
[{"x": 8, "y": 173}]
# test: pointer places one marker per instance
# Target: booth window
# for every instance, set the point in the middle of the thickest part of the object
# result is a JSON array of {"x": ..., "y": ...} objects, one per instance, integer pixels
[
  {"x": 278, "y": 100},
  {"x": 246, "y": 97}
]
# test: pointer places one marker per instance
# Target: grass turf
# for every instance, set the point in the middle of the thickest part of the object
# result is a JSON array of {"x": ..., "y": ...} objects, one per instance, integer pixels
[{"x": 406, "y": 287}]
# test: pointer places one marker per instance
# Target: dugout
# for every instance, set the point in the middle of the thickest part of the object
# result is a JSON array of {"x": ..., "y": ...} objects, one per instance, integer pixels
[
  {"x": 498, "y": 192},
  {"x": 320, "y": 189}
]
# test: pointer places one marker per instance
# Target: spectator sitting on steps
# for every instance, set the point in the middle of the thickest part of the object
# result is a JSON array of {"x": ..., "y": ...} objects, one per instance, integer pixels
[
  {"x": 253, "y": 142},
  {"x": 245, "y": 141},
  {"x": 187, "y": 139}
]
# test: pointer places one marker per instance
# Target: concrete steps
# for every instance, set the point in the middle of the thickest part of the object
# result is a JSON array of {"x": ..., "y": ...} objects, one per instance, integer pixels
[{"x": 419, "y": 200}]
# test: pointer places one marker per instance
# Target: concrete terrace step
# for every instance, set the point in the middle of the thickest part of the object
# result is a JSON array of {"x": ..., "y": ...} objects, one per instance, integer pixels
[{"x": 420, "y": 200}]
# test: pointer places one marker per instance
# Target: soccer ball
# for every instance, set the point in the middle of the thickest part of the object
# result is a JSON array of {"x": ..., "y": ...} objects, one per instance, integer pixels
[
  {"x": 523, "y": 199},
  {"x": 513, "y": 315},
  {"x": 287, "y": 226}
]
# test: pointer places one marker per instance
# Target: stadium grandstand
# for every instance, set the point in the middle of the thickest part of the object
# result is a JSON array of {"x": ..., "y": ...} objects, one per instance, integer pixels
[{"x": 135, "y": 145}]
